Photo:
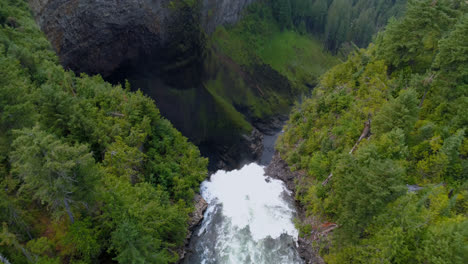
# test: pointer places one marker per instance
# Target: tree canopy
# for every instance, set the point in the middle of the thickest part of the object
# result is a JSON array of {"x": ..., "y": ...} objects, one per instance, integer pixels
[
  {"x": 398, "y": 193},
  {"x": 88, "y": 171}
]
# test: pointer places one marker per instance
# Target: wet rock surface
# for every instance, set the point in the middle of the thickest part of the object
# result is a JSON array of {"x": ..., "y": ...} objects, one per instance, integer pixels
[
  {"x": 271, "y": 125},
  {"x": 307, "y": 248},
  {"x": 279, "y": 169},
  {"x": 197, "y": 216}
]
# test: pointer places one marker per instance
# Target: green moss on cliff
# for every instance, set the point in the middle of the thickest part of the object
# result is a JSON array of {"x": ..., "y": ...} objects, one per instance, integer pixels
[
  {"x": 258, "y": 39},
  {"x": 301, "y": 58},
  {"x": 233, "y": 119}
]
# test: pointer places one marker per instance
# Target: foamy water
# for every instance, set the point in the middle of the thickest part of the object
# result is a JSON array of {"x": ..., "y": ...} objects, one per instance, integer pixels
[{"x": 249, "y": 220}]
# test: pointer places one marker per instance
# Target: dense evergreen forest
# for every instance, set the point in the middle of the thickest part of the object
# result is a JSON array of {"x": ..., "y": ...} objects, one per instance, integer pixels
[
  {"x": 88, "y": 171},
  {"x": 92, "y": 173},
  {"x": 381, "y": 146}
]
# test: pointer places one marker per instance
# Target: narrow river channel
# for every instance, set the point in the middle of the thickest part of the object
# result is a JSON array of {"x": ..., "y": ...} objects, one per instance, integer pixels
[{"x": 249, "y": 218}]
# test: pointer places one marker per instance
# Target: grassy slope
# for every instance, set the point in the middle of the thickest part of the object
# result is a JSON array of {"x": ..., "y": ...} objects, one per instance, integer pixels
[
  {"x": 419, "y": 126},
  {"x": 255, "y": 56},
  {"x": 299, "y": 57}
]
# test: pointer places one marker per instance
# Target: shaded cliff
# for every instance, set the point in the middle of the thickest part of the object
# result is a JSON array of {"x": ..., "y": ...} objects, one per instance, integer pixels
[
  {"x": 166, "y": 49},
  {"x": 99, "y": 36}
]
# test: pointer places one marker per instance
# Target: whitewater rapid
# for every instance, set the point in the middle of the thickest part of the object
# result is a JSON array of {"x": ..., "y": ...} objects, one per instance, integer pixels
[{"x": 249, "y": 220}]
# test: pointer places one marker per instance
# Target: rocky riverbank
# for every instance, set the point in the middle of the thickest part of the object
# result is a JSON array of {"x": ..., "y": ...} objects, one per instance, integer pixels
[
  {"x": 195, "y": 220},
  {"x": 307, "y": 244}
]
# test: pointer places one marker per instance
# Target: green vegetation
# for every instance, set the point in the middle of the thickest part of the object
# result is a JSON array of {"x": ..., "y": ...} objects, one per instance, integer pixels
[
  {"x": 298, "y": 57},
  {"x": 88, "y": 171},
  {"x": 337, "y": 21},
  {"x": 412, "y": 87},
  {"x": 259, "y": 39}
]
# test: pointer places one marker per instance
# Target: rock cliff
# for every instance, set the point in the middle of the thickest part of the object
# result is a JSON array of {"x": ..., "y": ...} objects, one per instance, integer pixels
[{"x": 98, "y": 36}]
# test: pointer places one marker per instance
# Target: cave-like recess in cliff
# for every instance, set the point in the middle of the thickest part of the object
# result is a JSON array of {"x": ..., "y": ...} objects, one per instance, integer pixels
[{"x": 161, "y": 48}]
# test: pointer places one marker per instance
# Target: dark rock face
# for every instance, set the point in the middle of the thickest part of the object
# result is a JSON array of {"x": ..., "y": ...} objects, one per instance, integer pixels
[
  {"x": 279, "y": 169},
  {"x": 222, "y": 12},
  {"x": 99, "y": 36},
  {"x": 195, "y": 220},
  {"x": 234, "y": 155}
]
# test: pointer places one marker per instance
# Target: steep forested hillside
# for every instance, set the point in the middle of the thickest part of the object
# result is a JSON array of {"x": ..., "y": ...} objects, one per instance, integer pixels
[
  {"x": 260, "y": 39},
  {"x": 382, "y": 147},
  {"x": 88, "y": 171}
]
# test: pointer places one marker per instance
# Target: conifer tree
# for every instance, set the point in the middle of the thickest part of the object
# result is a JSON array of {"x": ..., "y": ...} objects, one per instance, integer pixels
[{"x": 58, "y": 174}]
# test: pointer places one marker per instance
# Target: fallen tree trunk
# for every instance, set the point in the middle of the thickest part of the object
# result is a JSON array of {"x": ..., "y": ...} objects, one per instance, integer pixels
[
  {"x": 366, "y": 132},
  {"x": 327, "y": 179}
]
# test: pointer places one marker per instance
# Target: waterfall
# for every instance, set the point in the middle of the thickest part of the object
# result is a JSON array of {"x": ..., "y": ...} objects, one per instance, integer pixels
[{"x": 249, "y": 220}]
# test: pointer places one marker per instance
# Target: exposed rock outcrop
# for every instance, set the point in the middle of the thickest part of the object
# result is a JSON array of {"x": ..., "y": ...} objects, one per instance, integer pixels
[
  {"x": 279, "y": 169},
  {"x": 307, "y": 246},
  {"x": 222, "y": 12},
  {"x": 98, "y": 36},
  {"x": 102, "y": 36}
]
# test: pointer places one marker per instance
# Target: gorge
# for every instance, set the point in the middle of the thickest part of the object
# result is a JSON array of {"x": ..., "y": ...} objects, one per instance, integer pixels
[
  {"x": 222, "y": 131},
  {"x": 170, "y": 50},
  {"x": 139, "y": 42}
]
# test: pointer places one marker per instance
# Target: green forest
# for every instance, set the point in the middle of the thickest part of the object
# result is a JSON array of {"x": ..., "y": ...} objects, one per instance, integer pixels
[
  {"x": 88, "y": 171},
  {"x": 391, "y": 117},
  {"x": 91, "y": 172},
  {"x": 340, "y": 23}
]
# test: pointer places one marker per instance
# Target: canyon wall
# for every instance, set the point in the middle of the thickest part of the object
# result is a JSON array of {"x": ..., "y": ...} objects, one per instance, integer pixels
[{"x": 99, "y": 36}]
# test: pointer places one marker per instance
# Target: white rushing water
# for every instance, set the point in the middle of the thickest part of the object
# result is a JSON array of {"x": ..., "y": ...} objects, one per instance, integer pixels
[{"x": 249, "y": 220}]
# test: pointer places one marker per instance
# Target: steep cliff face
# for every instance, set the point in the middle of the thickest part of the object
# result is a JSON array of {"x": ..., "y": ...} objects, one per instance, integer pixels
[{"x": 100, "y": 36}]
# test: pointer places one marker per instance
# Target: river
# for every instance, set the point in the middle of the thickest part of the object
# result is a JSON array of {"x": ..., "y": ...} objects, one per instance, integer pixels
[{"x": 249, "y": 219}]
